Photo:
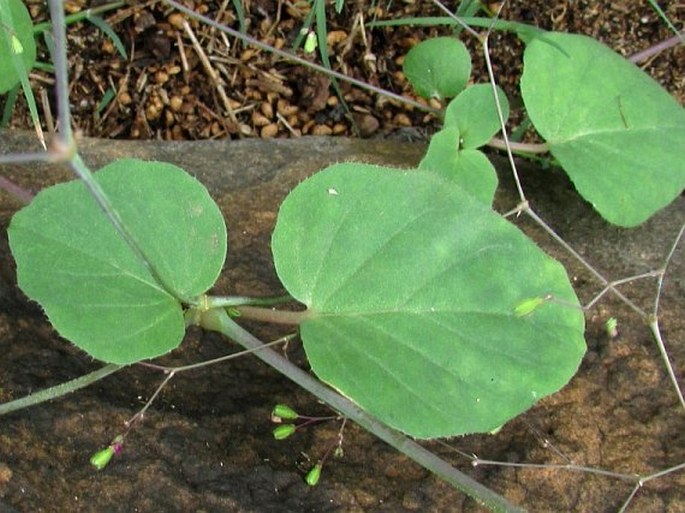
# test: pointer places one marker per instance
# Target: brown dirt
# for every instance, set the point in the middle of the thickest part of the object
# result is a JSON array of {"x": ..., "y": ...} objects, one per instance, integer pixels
[{"x": 160, "y": 97}]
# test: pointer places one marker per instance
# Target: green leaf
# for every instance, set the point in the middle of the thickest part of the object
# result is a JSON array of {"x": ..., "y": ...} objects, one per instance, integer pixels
[
  {"x": 469, "y": 168},
  {"x": 474, "y": 112},
  {"x": 616, "y": 132},
  {"x": 16, "y": 41},
  {"x": 411, "y": 287},
  {"x": 94, "y": 290},
  {"x": 438, "y": 67}
]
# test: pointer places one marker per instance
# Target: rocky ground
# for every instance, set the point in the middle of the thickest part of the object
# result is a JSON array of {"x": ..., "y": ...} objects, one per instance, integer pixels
[{"x": 164, "y": 90}]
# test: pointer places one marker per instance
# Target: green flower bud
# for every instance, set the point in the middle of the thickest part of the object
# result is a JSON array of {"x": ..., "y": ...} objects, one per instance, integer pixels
[
  {"x": 101, "y": 458},
  {"x": 310, "y": 43},
  {"x": 528, "y": 306},
  {"x": 284, "y": 431},
  {"x": 313, "y": 476},
  {"x": 281, "y": 411},
  {"x": 611, "y": 327}
]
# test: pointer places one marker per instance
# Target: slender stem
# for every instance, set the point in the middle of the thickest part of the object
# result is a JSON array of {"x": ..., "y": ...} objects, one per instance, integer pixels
[
  {"x": 270, "y": 315},
  {"x": 65, "y": 147},
  {"x": 141, "y": 413},
  {"x": 218, "y": 320},
  {"x": 657, "y": 48},
  {"x": 28, "y": 157},
  {"x": 664, "y": 472},
  {"x": 98, "y": 194},
  {"x": 559, "y": 466},
  {"x": 656, "y": 332},
  {"x": 582, "y": 260},
  {"x": 59, "y": 390},
  {"x": 456, "y": 19},
  {"x": 220, "y": 359},
  {"x": 18, "y": 192},
  {"x": 611, "y": 285},
  {"x": 501, "y": 144},
  {"x": 667, "y": 262},
  {"x": 227, "y": 301}
]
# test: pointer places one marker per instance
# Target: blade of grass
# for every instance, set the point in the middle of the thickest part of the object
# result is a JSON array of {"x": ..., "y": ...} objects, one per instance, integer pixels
[
  {"x": 322, "y": 35},
  {"x": 79, "y": 16},
  {"x": 667, "y": 21},
  {"x": 306, "y": 27},
  {"x": 107, "y": 29},
  {"x": 521, "y": 29},
  {"x": 8, "y": 108},
  {"x": 23, "y": 73},
  {"x": 106, "y": 99},
  {"x": 240, "y": 14}
]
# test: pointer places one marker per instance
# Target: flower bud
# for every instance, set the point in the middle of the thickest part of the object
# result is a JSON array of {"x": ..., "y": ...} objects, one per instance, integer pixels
[
  {"x": 284, "y": 431},
  {"x": 313, "y": 476},
  {"x": 282, "y": 411}
]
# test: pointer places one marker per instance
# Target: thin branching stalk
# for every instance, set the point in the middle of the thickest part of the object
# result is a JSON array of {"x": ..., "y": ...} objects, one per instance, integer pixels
[
  {"x": 59, "y": 390},
  {"x": 218, "y": 320}
]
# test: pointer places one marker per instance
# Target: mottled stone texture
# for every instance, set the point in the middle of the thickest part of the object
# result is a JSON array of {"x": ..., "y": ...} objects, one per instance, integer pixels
[{"x": 205, "y": 445}]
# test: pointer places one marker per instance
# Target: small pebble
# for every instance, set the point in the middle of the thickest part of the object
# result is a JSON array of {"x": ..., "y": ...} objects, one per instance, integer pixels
[
  {"x": 270, "y": 130},
  {"x": 322, "y": 130}
]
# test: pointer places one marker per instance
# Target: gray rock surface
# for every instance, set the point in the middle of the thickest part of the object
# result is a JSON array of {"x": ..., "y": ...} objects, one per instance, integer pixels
[{"x": 206, "y": 445}]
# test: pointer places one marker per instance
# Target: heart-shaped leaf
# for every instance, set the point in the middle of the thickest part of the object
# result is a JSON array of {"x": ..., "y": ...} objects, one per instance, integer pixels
[
  {"x": 412, "y": 288},
  {"x": 468, "y": 168},
  {"x": 94, "y": 290},
  {"x": 616, "y": 132},
  {"x": 438, "y": 67},
  {"x": 474, "y": 112}
]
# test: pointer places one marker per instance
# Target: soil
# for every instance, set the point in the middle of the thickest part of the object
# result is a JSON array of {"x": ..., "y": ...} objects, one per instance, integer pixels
[
  {"x": 206, "y": 445},
  {"x": 163, "y": 91}
]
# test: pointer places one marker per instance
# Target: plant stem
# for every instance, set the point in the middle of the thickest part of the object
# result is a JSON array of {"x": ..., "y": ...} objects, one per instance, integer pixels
[
  {"x": 59, "y": 390},
  {"x": 226, "y": 301},
  {"x": 64, "y": 145},
  {"x": 518, "y": 146},
  {"x": 18, "y": 192},
  {"x": 218, "y": 320},
  {"x": 657, "y": 48},
  {"x": 270, "y": 315}
]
